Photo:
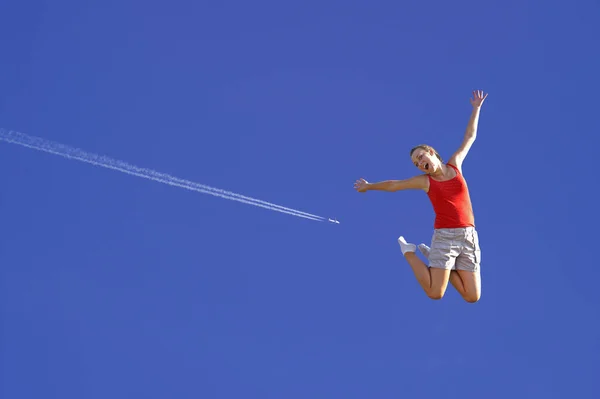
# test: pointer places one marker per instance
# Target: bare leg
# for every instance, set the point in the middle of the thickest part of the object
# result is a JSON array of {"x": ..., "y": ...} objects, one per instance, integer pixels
[
  {"x": 471, "y": 283},
  {"x": 433, "y": 281}
]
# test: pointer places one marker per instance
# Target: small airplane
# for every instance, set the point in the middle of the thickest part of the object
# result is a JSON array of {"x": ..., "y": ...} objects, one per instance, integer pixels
[{"x": 334, "y": 221}]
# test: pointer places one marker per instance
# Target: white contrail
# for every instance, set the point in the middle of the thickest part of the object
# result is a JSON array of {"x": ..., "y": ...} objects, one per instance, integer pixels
[{"x": 65, "y": 151}]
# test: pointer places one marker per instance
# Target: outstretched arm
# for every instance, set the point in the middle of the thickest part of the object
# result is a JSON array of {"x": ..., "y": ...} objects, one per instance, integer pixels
[
  {"x": 471, "y": 132},
  {"x": 417, "y": 182}
]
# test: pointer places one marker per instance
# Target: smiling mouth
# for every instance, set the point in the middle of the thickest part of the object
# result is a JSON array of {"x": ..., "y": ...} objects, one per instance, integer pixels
[{"x": 426, "y": 166}]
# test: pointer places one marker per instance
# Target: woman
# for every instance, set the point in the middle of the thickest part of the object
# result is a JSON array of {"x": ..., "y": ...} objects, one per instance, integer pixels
[{"x": 455, "y": 254}]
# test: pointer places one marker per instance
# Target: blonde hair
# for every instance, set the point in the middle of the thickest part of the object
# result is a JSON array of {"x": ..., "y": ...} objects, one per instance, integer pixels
[{"x": 426, "y": 148}]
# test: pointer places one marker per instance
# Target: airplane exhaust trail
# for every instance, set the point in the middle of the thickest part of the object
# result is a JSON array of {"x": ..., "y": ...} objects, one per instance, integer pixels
[{"x": 72, "y": 153}]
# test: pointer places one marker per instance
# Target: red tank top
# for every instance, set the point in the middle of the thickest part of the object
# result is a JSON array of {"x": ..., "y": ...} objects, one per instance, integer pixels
[{"x": 451, "y": 202}]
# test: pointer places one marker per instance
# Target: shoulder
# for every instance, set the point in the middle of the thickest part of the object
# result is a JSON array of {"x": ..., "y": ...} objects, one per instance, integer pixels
[
  {"x": 420, "y": 182},
  {"x": 455, "y": 165}
]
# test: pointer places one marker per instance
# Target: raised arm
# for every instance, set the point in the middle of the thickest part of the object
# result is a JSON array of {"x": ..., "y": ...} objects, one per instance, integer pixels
[
  {"x": 420, "y": 182},
  {"x": 471, "y": 132}
]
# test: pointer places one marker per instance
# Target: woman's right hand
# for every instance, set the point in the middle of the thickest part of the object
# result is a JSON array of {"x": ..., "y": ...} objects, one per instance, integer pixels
[{"x": 361, "y": 185}]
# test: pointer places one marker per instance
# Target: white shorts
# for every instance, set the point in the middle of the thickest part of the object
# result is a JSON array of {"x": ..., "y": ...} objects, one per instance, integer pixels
[{"x": 456, "y": 249}]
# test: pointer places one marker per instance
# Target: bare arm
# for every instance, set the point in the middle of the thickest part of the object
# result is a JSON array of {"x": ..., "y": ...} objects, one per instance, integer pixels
[
  {"x": 420, "y": 182},
  {"x": 471, "y": 132}
]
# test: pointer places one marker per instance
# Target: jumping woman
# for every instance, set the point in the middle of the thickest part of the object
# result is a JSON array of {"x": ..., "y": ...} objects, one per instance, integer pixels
[{"x": 455, "y": 254}]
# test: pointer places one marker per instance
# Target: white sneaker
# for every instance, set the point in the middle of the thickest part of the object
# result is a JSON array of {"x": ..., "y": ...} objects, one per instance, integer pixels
[
  {"x": 424, "y": 250},
  {"x": 405, "y": 246}
]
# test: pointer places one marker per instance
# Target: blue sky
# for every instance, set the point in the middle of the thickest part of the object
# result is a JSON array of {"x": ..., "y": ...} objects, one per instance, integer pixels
[{"x": 116, "y": 286}]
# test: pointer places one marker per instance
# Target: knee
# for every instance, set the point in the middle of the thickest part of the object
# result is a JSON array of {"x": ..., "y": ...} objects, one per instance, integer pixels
[
  {"x": 472, "y": 298},
  {"x": 435, "y": 295}
]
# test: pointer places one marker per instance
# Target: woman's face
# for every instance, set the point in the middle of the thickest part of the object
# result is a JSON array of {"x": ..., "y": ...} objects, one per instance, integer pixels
[{"x": 425, "y": 160}]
